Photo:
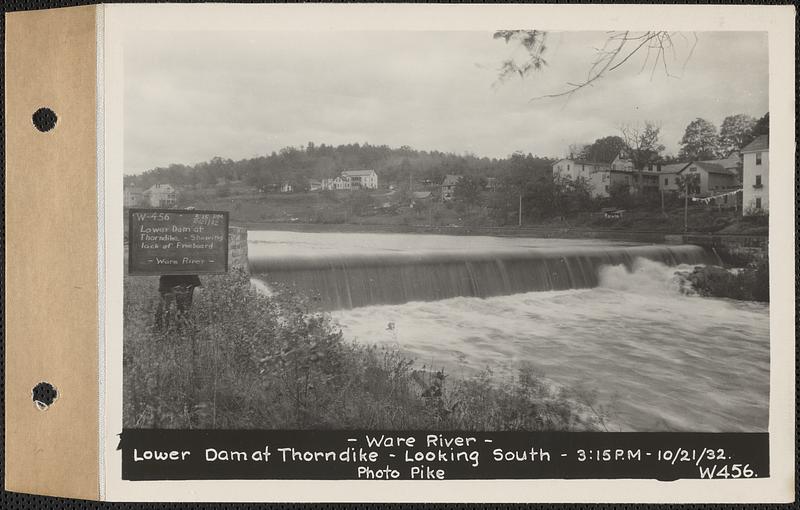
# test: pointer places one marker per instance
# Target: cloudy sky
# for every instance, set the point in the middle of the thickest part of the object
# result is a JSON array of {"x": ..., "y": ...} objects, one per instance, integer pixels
[{"x": 190, "y": 96}]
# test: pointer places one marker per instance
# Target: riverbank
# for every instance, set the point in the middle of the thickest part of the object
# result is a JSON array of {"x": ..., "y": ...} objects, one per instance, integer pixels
[
  {"x": 749, "y": 283},
  {"x": 246, "y": 360}
]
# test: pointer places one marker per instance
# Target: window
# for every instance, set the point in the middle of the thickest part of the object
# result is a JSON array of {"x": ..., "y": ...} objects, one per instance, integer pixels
[
  {"x": 758, "y": 158},
  {"x": 666, "y": 181},
  {"x": 758, "y": 181},
  {"x": 758, "y": 203},
  {"x": 606, "y": 187}
]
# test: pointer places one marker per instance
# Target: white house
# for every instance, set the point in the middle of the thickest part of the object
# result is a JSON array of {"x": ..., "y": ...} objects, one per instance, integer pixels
[
  {"x": 286, "y": 188},
  {"x": 755, "y": 176},
  {"x": 161, "y": 195},
  {"x": 337, "y": 183},
  {"x": 621, "y": 164},
  {"x": 575, "y": 168},
  {"x": 361, "y": 179}
]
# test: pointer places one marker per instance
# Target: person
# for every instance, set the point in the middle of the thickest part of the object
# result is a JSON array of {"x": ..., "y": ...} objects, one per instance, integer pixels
[{"x": 177, "y": 289}]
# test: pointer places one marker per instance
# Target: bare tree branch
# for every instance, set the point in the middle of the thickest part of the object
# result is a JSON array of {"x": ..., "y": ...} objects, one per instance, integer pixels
[{"x": 617, "y": 50}]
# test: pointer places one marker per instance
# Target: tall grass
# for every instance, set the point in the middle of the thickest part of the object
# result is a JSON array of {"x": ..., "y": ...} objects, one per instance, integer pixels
[{"x": 240, "y": 359}]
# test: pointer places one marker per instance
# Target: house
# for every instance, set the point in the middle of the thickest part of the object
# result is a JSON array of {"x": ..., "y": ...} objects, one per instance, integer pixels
[
  {"x": 361, "y": 179},
  {"x": 601, "y": 181},
  {"x": 575, "y": 168},
  {"x": 646, "y": 181},
  {"x": 714, "y": 177},
  {"x": 491, "y": 183},
  {"x": 755, "y": 176},
  {"x": 286, "y": 187},
  {"x": 337, "y": 183},
  {"x": 314, "y": 185},
  {"x": 161, "y": 195},
  {"x": 449, "y": 186},
  {"x": 132, "y": 196},
  {"x": 668, "y": 180},
  {"x": 621, "y": 164}
]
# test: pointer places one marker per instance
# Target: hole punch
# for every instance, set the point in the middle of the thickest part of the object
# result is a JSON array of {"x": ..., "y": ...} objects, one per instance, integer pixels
[
  {"x": 44, "y": 394},
  {"x": 44, "y": 119}
]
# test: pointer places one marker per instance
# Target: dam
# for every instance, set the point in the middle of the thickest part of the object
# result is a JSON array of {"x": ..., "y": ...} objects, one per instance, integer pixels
[
  {"x": 609, "y": 317},
  {"x": 352, "y": 270}
]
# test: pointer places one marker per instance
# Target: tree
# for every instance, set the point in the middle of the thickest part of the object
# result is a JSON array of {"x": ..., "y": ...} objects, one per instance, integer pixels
[
  {"x": 688, "y": 183},
  {"x": 700, "y": 141},
  {"x": 761, "y": 127},
  {"x": 468, "y": 191},
  {"x": 642, "y": 147},
  {"x": 577, "y": 150},
  {"x": 605, "y": 149},
  {"x": 735, "y": 133},
  {"x": 619, "y": 194},
  {"x": 618, "y": 49},
  {"x": 359, "y": 202}
]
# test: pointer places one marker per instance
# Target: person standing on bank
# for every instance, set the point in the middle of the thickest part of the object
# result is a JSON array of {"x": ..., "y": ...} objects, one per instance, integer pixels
[{"x": 177, "y": 289}]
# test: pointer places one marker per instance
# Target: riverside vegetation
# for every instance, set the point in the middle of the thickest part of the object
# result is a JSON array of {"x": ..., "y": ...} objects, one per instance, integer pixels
[{"x": 243, "y": 360}]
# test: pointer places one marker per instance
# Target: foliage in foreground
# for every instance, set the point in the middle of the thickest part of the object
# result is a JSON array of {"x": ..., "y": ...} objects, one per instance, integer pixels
[
  {"x": 750, "y": 283},
  {"x": 245, "y": 360}
]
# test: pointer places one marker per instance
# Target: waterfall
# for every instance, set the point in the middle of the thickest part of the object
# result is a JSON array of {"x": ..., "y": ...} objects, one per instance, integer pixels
[{"x": 343, "y": 281}]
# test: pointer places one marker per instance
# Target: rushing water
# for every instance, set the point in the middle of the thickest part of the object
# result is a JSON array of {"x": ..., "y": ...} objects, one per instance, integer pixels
[{"x": 664, "y": 359}]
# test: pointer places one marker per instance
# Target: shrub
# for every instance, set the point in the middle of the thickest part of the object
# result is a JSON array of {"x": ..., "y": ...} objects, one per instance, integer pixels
[{"x": 240, "y": 359}]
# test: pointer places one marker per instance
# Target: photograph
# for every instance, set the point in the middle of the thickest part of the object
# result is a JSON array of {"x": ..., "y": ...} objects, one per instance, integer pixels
[{"x": 453, "y": 230}]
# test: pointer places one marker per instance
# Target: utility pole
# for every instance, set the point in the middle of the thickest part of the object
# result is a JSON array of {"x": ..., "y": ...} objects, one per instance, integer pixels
[{"x": 686, "y": 210}]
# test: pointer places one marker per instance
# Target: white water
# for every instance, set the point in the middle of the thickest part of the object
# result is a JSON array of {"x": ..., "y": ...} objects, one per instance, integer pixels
[{"x": 670, "y": 361}]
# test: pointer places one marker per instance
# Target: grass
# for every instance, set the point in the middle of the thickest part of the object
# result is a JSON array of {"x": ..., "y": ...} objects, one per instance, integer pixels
[
  {"x": 242, "y": 360},
  {"x": 247, "y": 205}
]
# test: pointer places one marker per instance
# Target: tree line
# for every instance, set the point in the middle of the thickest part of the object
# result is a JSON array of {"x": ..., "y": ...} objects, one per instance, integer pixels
[{"x": 299, "y": 165}]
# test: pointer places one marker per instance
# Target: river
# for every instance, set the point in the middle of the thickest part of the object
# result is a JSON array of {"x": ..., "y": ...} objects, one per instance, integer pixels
[{"x": 608, "y": 316}]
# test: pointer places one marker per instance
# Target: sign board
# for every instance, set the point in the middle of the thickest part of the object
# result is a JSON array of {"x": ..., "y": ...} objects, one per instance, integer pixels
[{"x": 177, "y": 241}]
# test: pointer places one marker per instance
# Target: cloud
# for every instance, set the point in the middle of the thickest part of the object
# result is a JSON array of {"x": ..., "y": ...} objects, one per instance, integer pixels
[{"x": 190, "y": 96}]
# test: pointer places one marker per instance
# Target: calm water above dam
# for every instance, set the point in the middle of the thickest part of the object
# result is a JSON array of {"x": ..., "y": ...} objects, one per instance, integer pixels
[{"x": 608, "y": 316}]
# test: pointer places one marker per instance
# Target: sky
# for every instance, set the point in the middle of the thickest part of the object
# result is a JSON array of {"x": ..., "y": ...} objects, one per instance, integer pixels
[{"x": 190, "y": 96}]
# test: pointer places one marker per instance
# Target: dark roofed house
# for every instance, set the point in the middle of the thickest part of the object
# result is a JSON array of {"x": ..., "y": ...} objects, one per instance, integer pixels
[
  {"x": 714, "y": 177},
  {"x": 449, "y": 186}
]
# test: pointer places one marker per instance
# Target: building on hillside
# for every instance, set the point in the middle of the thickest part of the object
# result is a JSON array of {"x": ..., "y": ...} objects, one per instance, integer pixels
[
  {"x": 576, "y": 168},
  {"x": 622, "y": 165},
  {"x": 314, "y": 185},
  {"x": 732, "y": 164},
  {"x": 161, "y": 195},
  {"x": 755, "y": 176},
  {"x": 668, "y": 178},
  {"x": 492, "y": 183},
  {"x": 714, "y": 177},
  {"x": 338, "y": 183},
  {"x": 286, "y": 188},
  {"x": 132, "y": 196},
  {"x": 449, "y": 186},
  {"x": 646, "y": 181},
  {"x": 361, "y": 179},
  {"x": 602, "y": 181}
]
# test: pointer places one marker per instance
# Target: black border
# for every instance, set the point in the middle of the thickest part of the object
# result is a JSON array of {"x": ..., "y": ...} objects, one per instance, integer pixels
[{"x": 18, "y": 500}]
